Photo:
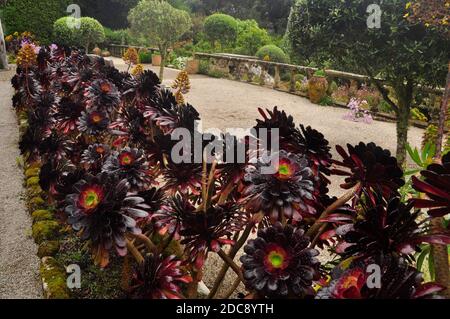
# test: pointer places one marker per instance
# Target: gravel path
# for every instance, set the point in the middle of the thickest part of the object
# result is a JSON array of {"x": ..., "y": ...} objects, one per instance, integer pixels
[
  {"x": 226, "y": 104},
  {"x": 19, "y": 275}
]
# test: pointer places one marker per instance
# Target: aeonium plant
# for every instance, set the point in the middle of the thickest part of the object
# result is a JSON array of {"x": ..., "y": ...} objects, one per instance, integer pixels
[{"x": 102, "y": 141}]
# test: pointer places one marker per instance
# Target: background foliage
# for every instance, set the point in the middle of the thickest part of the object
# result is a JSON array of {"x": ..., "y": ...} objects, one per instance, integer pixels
[{"x": 32, "y": 15}]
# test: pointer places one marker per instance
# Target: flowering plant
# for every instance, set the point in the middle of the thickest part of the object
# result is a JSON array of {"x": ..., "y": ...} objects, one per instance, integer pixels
[{"x": 102, "y": 141}]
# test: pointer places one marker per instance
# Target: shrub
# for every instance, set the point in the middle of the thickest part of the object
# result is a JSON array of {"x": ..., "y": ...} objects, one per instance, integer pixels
[
  {"x": 145, "y": 56},
  {"x": 63, "y": 34},
  {"x": 204, "y": 67},
  {"x": 274, "y": 53},
  {"x": 32, "y": 15},
  {"x": 250, "y": 37},
  {"x": 90, "y": 31},
  {"x": 221, "y": 28},
  {"x": 117, "y": 36}
]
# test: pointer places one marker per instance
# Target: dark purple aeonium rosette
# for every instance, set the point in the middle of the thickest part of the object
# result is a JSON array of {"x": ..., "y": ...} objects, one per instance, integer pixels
[
  {"x": 290, "y": 193},
  {"x": 102, "y": 210},
  {"x": 95, "y": 155},
  {"x": 374, "y": 168},
  {"x": 159, "y": 277},
  {"x": 67, "y": 113},
  {"x": 102, "y": 95},
  {"x": 204, "y": 231},
  {"x": 436, "y": 185},
  {"x": 131, "y": 164},
  {"x": 93, "y": 122},
  {"x": 386, "y": 228},
  {"x": 278, "y": 263},
  {"x": 398, "y": 280}
]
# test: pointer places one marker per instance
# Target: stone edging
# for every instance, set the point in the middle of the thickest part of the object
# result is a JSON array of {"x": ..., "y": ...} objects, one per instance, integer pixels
[{"x": 46, "y": 230}]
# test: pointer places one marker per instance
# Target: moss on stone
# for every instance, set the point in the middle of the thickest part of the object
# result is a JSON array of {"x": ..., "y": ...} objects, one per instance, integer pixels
[
  {"x": 33, "y": 181},
  {"x": 42, "y": 214},
  {"x": 48, "y": 248},
  {"x": 54, "y": 279},
  {"x": 34, "y": 191},
  {"x": 36, "y": 203},
  {"x": 32, "y": 172},
  {"x": 45, "y": 230}
]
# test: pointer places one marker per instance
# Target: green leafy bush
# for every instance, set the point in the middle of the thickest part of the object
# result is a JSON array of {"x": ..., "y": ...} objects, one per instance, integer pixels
[
  {"x": 63, "y": 34},
  {"x": 221, "y": 28},
  {"x": 145, "y": 56},
  {"x": 89, "y": 32},
  {"x": 117, "y": 36},
  {"x": 34, "y": 16},
  {"x": 250, "y": 37},
  {"x": 274, "y": 53}
]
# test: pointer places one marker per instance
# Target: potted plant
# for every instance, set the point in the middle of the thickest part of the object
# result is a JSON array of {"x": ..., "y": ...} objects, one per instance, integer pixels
[
  {"x": 156, "y": 59},
  {"x": 317, "y": 86}
]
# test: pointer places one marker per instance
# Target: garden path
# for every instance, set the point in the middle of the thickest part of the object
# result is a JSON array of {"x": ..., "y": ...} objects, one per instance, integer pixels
[
  {"x": 19, "y": 265},
  {"x": 226, "y": 104}
]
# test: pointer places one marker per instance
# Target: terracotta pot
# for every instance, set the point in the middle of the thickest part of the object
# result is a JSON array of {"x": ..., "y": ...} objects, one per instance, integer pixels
[
  {"x": 97, "y": 51},
  {"x": 192, "y": 66},
  {"x": 317, "y": 89},
  {"x": 156, "y": 60}
]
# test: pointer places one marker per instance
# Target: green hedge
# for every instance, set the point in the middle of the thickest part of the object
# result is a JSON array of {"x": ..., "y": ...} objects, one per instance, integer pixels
[
  {"x": 36, "y": 16},
  {"x": 117, "y": 36},
  {"x": 274, "y": 53}
]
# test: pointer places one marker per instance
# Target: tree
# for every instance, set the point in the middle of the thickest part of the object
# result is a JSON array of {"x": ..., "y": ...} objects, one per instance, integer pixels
[
  {"x": 250, "y": 37},
  {"x": 221, "y": 28},
  {"x": 90, "y": 31},
  {"x": 434, "y": 14},
  {"x": 405, "y": 55},
  {"x": 160, "y": 23}
]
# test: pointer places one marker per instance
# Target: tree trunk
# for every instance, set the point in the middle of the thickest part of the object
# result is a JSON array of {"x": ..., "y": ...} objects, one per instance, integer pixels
[
  {"x": 402, "y": 132},
  {"x": 161, "y": 67},
  {"x": 442, "y": 115},
  {"x": 440, "y": 257},
  {"x": 405, "y": 96}
]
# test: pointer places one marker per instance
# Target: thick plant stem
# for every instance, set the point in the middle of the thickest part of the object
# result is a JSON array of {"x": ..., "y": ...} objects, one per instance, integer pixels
[
  {"x": 133, "y": 250},
  {"x": 442, "y": 115},
  {"x": 317, "y": 228},
  {"x": 233, "y": 288},
  {"x": 147, "y": 242},
  {"x": 440, "y": 257},
  {"x": 232, "y": 254},
  {"x": 231, "y": 263}
]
